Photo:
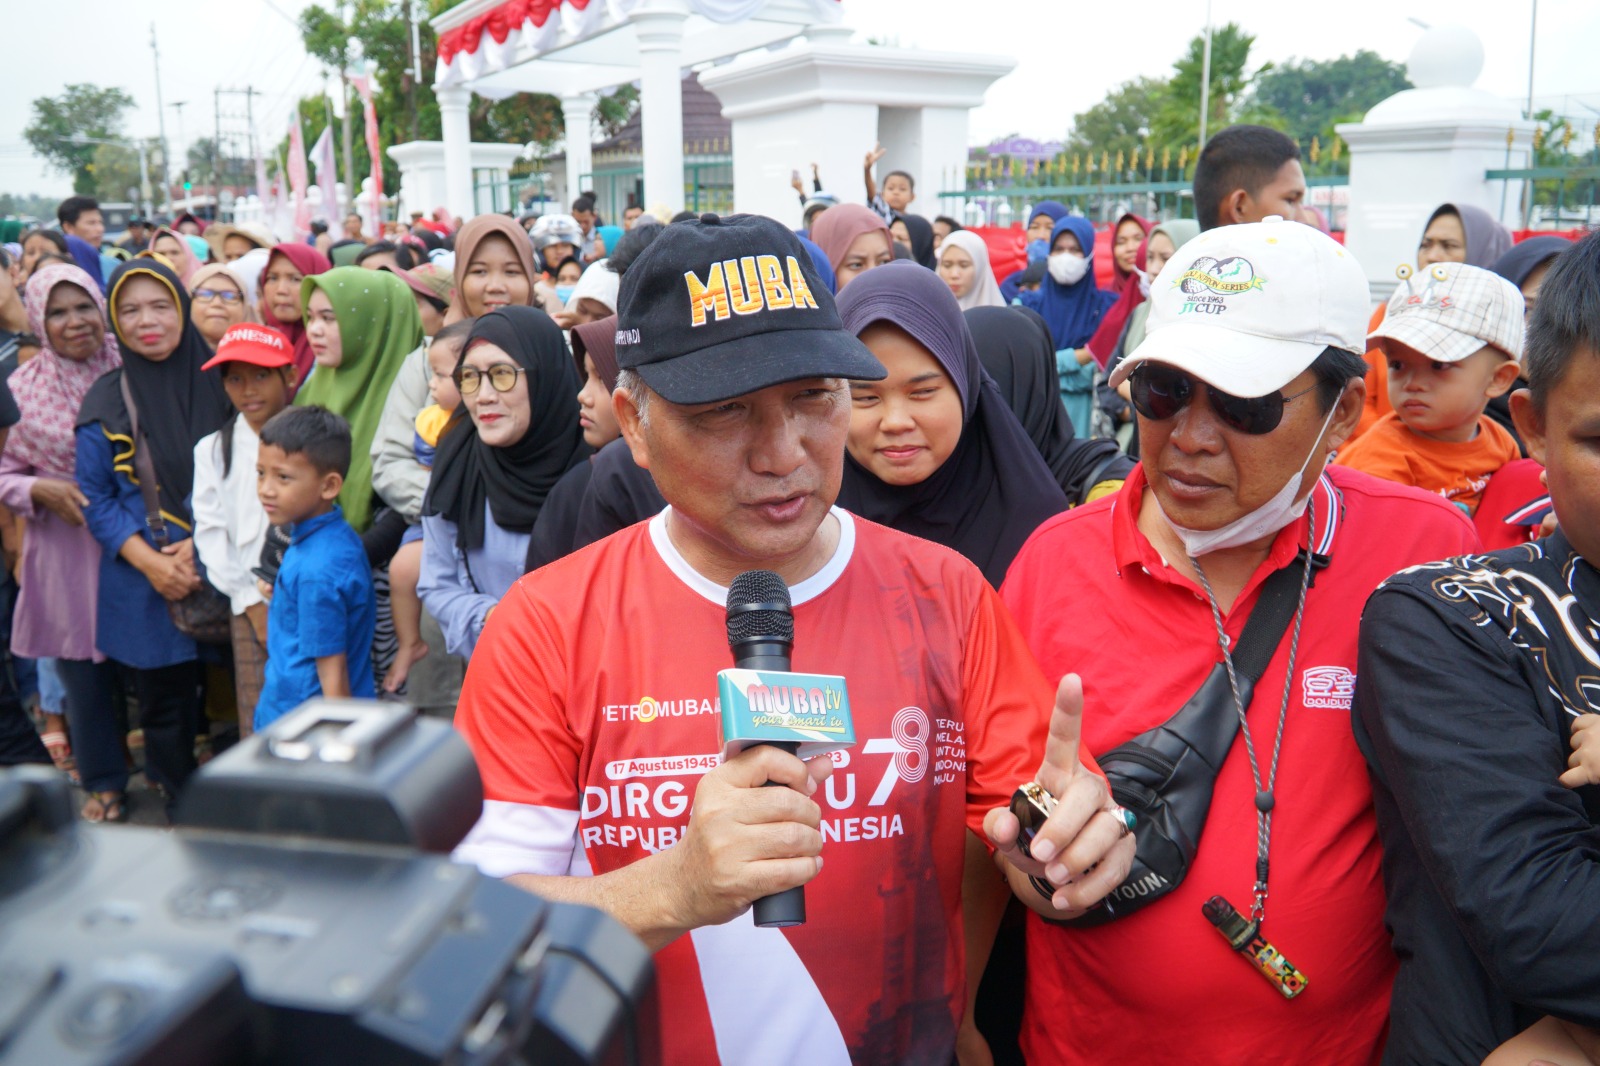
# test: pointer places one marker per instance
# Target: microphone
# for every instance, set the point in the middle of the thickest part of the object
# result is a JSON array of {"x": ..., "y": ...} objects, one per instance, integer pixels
[{"x": 764, "y": 702}]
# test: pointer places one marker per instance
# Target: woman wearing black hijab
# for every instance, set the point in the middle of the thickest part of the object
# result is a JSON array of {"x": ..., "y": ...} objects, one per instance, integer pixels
[
  {"x": 1015, "y": 348},
  {"x": 514, "y": 435},
  {"x": 919, "y": 238},
  {"x": 1525, "y": 266},
  {"x": 934, "y": 449},
  {"x": 177, "y": 404}
]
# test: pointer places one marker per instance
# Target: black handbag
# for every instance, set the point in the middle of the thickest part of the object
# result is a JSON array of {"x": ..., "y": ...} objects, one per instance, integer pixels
[
  {"x": 1166, "y": 775},
  {"x": 205, "y": 615}
]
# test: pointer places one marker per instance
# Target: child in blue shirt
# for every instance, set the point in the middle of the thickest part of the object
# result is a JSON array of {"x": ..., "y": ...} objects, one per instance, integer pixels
[{"x": 322, "y": 615}]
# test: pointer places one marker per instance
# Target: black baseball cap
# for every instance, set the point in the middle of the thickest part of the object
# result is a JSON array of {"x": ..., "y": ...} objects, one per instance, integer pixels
[{"x": 719, "y": 307}]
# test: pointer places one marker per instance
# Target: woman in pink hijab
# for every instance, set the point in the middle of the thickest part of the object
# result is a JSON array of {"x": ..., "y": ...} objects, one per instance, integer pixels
[{"x": 55, "y": 611}]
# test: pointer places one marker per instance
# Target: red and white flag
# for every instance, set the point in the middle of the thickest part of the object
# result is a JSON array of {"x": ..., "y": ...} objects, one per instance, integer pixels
[
  {"x": 327, "y": 172},
  {"x": 297, "y": 178},
  {"x": 374, "y": 148}
]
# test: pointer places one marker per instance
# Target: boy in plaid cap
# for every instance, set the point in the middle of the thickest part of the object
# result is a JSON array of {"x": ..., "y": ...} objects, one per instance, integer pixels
[{"x": 1453, "y": 340}]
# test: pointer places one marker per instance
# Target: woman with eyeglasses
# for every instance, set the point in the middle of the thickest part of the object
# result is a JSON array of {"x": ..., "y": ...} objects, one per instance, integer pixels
[
  {"x": 514, "y": 435},
  {"x": 218, "y": 298}
]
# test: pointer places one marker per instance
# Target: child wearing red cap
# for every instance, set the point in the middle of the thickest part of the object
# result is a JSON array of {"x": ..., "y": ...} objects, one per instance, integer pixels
[{"x": 229, "y": 524}]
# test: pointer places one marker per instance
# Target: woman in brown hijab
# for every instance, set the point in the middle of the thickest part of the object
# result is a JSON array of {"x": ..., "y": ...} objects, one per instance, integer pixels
[
  {"x": 494, "y": 269},
  {"x": 854, "y": 238}
]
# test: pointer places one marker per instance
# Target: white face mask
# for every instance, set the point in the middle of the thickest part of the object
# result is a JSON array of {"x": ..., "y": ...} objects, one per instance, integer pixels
[
  {"x": 1067, "y": 268},
  {"x": 1270, "y": 517}
]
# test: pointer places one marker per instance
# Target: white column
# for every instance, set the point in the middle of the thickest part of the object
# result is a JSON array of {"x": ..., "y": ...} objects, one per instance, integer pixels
[
  {"x": 577, "y": 111},
  {"x": 457, "y": 131},
  {"x": 659, "y": 28}
]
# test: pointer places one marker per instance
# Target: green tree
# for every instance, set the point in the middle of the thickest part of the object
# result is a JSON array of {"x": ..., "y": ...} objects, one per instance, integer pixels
[
  {"x": 616, "y": 108},
  {"x": 1119, "y": 123},
  {"x": 1314, "y": 96},
  {"x": 116, "y": 171},
  {"x": 1177, "y": 119},
  {"x": 28, "y": 205},
  {"x": 202, "y": 161},
  {"x": 379, "y": 32},
  {"x": 61, "y": 123}
]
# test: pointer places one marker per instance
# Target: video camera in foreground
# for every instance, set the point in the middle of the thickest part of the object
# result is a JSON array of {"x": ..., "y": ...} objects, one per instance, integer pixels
[{"x": 305, "y": 911}]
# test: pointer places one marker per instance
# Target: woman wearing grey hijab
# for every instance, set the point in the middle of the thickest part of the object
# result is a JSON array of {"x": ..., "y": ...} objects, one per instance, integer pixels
[{"x": 1462, "y": 233}]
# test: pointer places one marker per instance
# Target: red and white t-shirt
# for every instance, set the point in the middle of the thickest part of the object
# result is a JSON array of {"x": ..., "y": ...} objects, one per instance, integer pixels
[
  {"x": 1093, "y": 596},
  {"x": 591, "y": 705}
]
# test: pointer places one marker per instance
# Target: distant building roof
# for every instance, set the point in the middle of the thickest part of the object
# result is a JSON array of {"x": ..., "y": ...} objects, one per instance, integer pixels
[
  {"x": 1025, "y": 148},
  {"x": 704, "y": 128}
]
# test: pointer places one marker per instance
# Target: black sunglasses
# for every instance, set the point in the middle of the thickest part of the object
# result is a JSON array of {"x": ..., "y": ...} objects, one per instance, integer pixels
[{"x": 1160, "y": 392}]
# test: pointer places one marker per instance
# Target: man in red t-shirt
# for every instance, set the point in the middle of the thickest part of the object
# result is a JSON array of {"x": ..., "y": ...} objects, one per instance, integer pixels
[
  {"x": 591, "y": 698},
  {"x": 1249, "y": 378}
]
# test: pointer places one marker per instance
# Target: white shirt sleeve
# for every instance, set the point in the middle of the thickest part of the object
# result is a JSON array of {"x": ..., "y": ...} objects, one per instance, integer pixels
[{"x": 213, "y": 534}]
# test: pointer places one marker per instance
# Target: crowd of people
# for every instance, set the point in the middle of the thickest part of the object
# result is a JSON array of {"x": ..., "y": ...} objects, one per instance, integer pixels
[{"x": 1213, "y": 554}]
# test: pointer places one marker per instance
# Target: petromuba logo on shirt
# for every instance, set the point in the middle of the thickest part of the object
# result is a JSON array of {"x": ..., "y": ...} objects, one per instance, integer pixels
[{"x": 650, "y": 709}]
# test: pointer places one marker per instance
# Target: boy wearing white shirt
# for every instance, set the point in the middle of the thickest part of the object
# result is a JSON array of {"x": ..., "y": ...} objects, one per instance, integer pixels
[{"x": 229, "y": 524}]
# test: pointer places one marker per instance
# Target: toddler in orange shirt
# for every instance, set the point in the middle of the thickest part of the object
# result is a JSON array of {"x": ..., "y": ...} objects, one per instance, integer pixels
[{"x": 1453, "y": 340}]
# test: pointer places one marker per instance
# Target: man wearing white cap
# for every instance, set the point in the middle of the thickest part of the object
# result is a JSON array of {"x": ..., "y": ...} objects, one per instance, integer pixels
[{"x": 1248, "y": 380}]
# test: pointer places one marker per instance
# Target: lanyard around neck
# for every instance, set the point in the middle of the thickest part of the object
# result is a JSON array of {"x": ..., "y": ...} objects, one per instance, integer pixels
[{"x": 1264, "y": 801}]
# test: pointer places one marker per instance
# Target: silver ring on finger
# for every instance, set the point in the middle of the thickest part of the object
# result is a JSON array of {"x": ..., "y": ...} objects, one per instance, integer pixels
[{"x": 1126, "y": 820}]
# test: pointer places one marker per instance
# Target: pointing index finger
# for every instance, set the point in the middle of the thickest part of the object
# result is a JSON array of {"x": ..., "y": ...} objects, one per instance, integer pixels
[{"x": 1063, "y": 747}]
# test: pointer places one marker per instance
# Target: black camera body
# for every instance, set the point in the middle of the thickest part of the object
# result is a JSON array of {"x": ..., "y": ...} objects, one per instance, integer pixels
[{"x": 305, "y": 911}]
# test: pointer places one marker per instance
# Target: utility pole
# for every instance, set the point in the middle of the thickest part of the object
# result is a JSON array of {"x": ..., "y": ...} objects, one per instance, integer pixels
[
  {"x": 250, "y": 94},
  {"x": 161, "y": 122},
  {"x": 183, "y": 164},
  {"x": 216, "y": 144},
  {"x": 232, "y": 143},
  {"x": 1205, "y": 80}
]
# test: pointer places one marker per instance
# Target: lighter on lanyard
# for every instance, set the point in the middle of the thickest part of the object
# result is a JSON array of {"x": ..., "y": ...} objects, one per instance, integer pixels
[{"x": 1245, "y": 938}]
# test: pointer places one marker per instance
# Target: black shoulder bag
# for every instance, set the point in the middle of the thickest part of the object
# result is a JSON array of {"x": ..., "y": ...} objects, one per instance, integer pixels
[
  {"x": 1166, "y": 775},
  {"x": 205, "y": 614}
]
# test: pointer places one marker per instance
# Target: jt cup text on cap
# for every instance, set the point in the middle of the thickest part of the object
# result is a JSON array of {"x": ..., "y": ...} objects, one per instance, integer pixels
[
  {"x": 1247, "y": 308},
  {"x": 720, "y": 307}
]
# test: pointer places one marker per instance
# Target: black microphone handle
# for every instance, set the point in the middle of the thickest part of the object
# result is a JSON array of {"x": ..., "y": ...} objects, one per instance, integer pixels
[{"x": 789, "y": 906}]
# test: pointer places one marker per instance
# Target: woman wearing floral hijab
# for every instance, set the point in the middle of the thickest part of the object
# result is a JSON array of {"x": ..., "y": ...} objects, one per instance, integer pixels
[{"x": 55, "y": 611}]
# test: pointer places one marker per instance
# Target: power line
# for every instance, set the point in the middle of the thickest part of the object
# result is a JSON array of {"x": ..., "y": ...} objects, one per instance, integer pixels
[{"x": 281, "y": 13}]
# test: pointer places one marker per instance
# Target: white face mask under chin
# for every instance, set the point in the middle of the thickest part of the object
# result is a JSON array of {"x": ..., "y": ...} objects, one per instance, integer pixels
[
  {"x": 1267, "y": 519},
  {"x": 1067, "y": 268}
]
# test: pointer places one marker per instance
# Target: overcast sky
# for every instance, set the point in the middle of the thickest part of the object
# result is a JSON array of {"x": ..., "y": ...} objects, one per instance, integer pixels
[{"x": 1068, "y": 55}]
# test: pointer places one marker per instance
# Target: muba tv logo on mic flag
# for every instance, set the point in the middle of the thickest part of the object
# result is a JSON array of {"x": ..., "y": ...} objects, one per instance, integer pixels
[{"x": 811, "y": 711}]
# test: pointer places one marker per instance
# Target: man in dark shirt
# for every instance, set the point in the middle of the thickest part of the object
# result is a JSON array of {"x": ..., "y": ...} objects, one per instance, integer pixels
[
  {"x": 1472, "y": 672},
  {"x": 138, "y": 236}
]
